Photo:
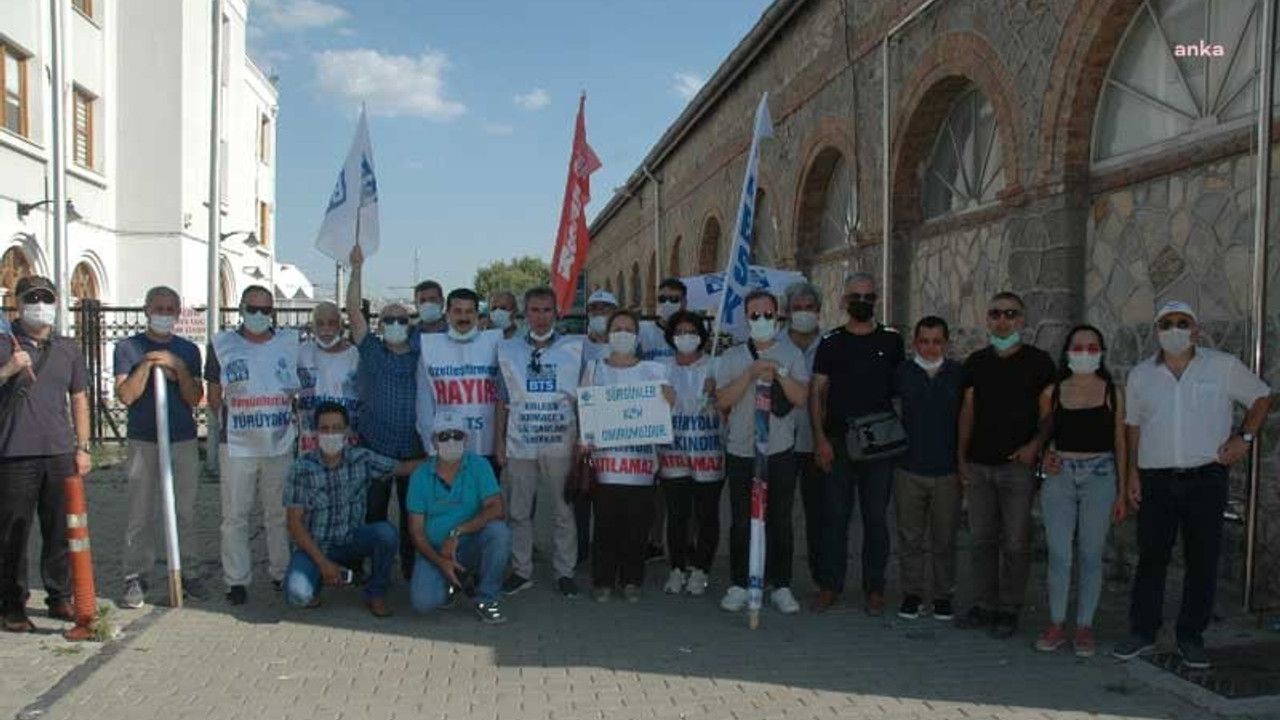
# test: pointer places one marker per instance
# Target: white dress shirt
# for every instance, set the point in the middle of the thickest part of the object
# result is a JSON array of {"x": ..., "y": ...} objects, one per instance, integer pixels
[{"x": 1184, "y": 421}]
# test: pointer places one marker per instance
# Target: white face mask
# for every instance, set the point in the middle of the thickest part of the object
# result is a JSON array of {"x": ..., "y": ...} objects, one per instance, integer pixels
[
  {"x": 688, "y": 343},
  {"x": 1083, "y": 363},
  {"x": 395, "y": 333},
  {"x": 467, "y": 336},
  {"x": 39, "y": 314},
  {"x": 598, "y": 324},
  {"x": 667, "y": 309},
  {"x": 331, "y": 443},
  {"x": 623, "y": 343},
  {"x": 804, "y": 321},
  {"x": 429, "y": 312},
  {"x": 929, "y": 365},
  {"x": 451, "y": 450},
  {"x": 500, "y": 318},
  {"x": 1175, "y": 341},
  {"x": 326, "y": 344},
  {"x": 763, "y": 330},
  {"x": 162, "y": 324},
  {"x": 257, "y": 323},
  {"x": 542, "y": 337}
]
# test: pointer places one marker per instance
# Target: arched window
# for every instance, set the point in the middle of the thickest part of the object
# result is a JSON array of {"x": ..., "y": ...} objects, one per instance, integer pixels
[
  {"x": 673, "y": 268},
  {"x": 1183, "y": 66},
  {"x": 709, "y": 260},
  {"x": 637, "y": 292},
  {"x": 965, "y": 169},
  {"x": 651, "y": 285},
  {"x": 84, "y": 282},
  {"x": 826, "y": 214},
  {"x": 14, "y": 266},
  {"x": 622, "y": 290},
  {"x": 838, "y": 218},
  {"x": 765, "y": 243}
]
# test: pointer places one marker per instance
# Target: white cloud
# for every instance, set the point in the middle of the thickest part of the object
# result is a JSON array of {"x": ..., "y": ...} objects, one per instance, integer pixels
[
  {"x": 296, "y": 15},
  {"x": 498, "y": 129},
  {"x": 393, "y": 85},
  {"x": 688, "y": 84},
  {"x": 535, "y": 99}
]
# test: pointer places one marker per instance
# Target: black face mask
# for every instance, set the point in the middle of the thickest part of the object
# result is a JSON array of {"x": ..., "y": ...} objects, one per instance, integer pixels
[{"x": 861, "y": 311}]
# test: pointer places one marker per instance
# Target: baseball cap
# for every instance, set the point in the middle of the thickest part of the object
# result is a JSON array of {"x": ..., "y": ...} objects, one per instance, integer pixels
[
  {"x": 1175, "y": 306},
  {"x": 34, "y": 282},
  {"x": 603, "y": 296},
  {"x": 448, "y": 421}
]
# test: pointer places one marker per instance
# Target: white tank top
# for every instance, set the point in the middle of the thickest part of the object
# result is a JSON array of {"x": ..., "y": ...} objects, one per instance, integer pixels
[
  {"x": 259, "y": 382},
  {"x": 325, "y": 377},
  {"x": 464, "y": 380}
]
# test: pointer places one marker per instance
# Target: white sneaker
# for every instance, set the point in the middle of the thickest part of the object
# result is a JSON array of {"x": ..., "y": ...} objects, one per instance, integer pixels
[
  {"x": 735, "y": 599},
  {"x": 784, "y": 601},
  {"x": 698, "y": 582},
  {"x": 675, "y": 582}
]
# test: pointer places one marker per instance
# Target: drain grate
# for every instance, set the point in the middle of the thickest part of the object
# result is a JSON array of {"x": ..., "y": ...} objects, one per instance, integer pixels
[{"x": 1242, "y": 671}]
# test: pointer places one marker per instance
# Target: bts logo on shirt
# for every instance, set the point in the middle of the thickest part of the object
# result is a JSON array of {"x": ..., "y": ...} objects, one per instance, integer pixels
[
  {"x": 542, "y": 379},
  {"x": 237, "y": 371},
  {"x": 307, "y": 377},
  {"x": 286, "y": 373}
]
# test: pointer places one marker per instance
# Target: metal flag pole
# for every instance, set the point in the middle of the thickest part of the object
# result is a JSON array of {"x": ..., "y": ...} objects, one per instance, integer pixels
[
  {"x": 212, "y": 301},
  {"x": 58, "y": 118},
  {"x": 161, "y": 386}
]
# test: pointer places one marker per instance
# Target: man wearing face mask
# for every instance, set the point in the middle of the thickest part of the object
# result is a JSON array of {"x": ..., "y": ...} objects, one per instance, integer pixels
[
  {"x": 781, "y": 364},
  {"x": 672, "y": 297},
  {"x": 387, "y": 386},
  {"x": 136, "y": 360},
  {"x": 536, "y": 433},
  {"x": 325, "y": 499},
  {"x": 502, "y": 313},
  {"x": 458, "y": 373},
  {"x": 40, "y": 445},
  {"x": 853, "y": 378},
  {"x": 252, "y": 373},
  {"x": 428, "y": 298},
  {"x": 998, "y": 449},
  {"x": 1181, "y": 445},
  {"x": 328, "y": 368},
  {"x": 600, "y": 306},
  {"x": 804, "y": 303}
]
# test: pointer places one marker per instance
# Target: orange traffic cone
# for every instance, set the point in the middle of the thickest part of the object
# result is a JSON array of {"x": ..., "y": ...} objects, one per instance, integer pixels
[{"x": 86, "y": 598}]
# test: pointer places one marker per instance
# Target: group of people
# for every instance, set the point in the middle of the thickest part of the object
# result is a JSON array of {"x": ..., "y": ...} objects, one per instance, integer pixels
[{"x": 470, "y": 421}]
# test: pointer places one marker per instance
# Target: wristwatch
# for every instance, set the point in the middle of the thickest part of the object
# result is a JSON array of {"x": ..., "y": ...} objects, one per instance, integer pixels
[
  {"x": 782, "y": 371},
  {"x": 1247, "y": 437},
  {"x": 82, "y": 448}
]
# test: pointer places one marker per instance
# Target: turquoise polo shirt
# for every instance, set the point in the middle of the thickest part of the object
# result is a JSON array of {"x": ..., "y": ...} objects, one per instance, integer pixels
[{"x": 447, "y": 506}]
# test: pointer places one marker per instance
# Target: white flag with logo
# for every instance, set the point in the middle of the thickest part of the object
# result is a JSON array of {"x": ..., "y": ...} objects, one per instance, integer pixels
[
  {"x": 352, "y": 211},
  {"x": 737, "y": 276}
]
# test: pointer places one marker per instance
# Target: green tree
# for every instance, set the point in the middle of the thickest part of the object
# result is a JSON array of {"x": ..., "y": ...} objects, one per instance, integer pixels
[{"x": 516, "y": 275}]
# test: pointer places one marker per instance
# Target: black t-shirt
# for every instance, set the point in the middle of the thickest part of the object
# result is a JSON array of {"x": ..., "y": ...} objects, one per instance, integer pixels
[
  {"x": 859, "y": 370},
  {"x": 1006, "y": 400},
  {"x": 40, "y": 421}
]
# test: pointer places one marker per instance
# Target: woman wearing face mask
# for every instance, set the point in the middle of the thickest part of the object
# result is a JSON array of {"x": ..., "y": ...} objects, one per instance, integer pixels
[
  {"x": 693, "y": 468},
  {"x": 1081, "y": 496},
  {"x": 622, "y": 501}
]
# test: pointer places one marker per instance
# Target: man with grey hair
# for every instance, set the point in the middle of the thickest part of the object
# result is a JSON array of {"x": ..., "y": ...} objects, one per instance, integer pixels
[
  {"x": 853, "y": 378},
  {"x": 502, "y": 313},
  {"x": 804, "y": 305},
  {"x": 328, "y": 369},
  {"x": 136, "y": 360}
]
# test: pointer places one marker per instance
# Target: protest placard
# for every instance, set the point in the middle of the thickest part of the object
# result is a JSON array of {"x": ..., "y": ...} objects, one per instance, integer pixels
[{"x": 621, "y": 415}]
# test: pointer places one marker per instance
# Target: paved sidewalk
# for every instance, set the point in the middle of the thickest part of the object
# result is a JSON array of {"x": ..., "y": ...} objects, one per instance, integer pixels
[{"x": 666, "y": 657}]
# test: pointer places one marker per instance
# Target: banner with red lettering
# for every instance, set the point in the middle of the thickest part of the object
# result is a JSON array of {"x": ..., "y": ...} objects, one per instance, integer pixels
[
  {"x": 571, "y": 239},
  {"x": 463, "y": 378}
]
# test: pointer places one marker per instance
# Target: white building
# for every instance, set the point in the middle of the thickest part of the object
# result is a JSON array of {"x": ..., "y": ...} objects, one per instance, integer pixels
[{"x": 138, "y": 106}]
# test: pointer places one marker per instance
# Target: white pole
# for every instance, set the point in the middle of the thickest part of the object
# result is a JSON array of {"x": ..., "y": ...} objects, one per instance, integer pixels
[
  {"x": 59, "y": 180},
  {"x": 213, "y": 300},
  {"x": 166, "y": 487}
]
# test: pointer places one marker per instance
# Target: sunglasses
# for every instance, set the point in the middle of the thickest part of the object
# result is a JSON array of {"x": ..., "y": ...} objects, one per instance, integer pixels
[
  {"x": 447, "y": 435},
  {"x": 260, "y": 309},
  {"x": 39, "y": 296},
  {"x": 758, "y": 315},
  {"x": 1007, "y": 314},
  {"x": 669, "y": 298},
  {"x": 1183, "y": 324},
  {"x": 395, "y": 320},
  {"x": 535, "y": 362},
  {"x": 861, "y": 297}
]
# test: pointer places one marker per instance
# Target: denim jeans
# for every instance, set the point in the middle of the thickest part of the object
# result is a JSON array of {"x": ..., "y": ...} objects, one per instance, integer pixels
[
  {"x": 302, "y": 582},
  {"x": 1077, "y": 503},
  {"x": 1000, "y": 501},
  {"x": 870, "y": 484},
  {"x": 778, "y": 540},
  {"x": 1191, "y": 502},
  {"x": 484, "y": 554}
]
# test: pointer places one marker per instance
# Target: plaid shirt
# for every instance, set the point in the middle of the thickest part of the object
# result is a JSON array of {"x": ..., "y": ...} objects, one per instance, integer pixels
[
  {"x": 335, "y": 499},
  {"x": 388, "y": 400}
]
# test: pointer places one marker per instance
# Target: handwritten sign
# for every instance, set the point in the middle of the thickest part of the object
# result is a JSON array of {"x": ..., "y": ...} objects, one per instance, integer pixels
[{"x": 624, "y": 415}]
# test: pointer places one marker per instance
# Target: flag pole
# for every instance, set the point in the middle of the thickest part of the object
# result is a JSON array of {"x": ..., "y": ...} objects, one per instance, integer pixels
[{"x": 211, "y": 318}]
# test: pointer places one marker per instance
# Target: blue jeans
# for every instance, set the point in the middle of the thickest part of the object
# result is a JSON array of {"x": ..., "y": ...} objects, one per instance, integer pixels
[
  {"x": 1077, "y": 502},
  {"x": 869, "y": 483},
  {"x": 484, "y": 554},
  {"x": 376, "y": 540}
]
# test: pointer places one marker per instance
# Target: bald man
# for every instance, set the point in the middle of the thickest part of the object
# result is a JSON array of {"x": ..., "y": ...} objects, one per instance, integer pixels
[{"x": 327, "y": 371}]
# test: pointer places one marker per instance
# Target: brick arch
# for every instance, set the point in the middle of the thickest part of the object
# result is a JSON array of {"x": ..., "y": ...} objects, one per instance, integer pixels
[
  {"x": 1090, "y": 38},
  {"x": 950, "y": 66},
  {"x": 825, "y": 144},
  {"x": 674, "y": 265},
  {"x": 710, "y": 234}
]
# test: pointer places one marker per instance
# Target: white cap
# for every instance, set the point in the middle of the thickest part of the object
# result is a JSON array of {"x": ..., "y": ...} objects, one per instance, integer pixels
[
  {"x": 1175, "y": 306},
  {"x": 603, "y": 296},
  {"x": 448, "y": 421}
]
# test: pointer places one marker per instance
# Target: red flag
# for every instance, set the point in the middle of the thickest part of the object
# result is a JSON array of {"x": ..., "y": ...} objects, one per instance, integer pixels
[{"x": 571, "y": 238}]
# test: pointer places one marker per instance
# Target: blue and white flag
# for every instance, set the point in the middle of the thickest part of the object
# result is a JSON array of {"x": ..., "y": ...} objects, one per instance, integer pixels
[
  {"x": 352, "y": 212},
  {"x": 738, "y": 274}
]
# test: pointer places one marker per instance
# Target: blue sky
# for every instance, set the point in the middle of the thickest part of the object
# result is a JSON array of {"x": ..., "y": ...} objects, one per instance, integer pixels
[{"x": 471, "y": 113}]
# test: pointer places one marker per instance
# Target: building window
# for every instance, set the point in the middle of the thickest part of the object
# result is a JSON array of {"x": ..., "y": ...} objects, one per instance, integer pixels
[
  {"x": 264, "y": 139},
  {"x": 84, "y": 6},
  {"x": 1182, "y": 66},
  {"x": 264, "y": 223},
  {"x": 837, "y": 226},
  {"x": 965, "y": 169},
  {"x": 13, "y": 78},
  {"x": 84, "y": 111}
]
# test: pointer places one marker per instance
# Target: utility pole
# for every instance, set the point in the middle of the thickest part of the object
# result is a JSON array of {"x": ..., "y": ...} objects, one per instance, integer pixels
[{"x": 212, "y": 421}]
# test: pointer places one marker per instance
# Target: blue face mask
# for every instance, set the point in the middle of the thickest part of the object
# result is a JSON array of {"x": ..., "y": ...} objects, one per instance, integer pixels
[{"x": 1005, "y": 343}]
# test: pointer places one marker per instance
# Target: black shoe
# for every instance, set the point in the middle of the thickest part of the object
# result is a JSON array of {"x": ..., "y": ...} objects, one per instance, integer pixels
[
  {"x": 567, "y": 587},
  {"x": 1193, "y": 655},
  {"x": 942, "y": 609},
  {"x": 653, "y": 554},
  {"x": 237, "y": 595},
  {"x": 1005, "y": 625},
  {"x": 1132, "y": 647},
  {"x": 976, "y": 619},
  {"x": 910, "y": 607},
  {"x": 514, "y": 584}
]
